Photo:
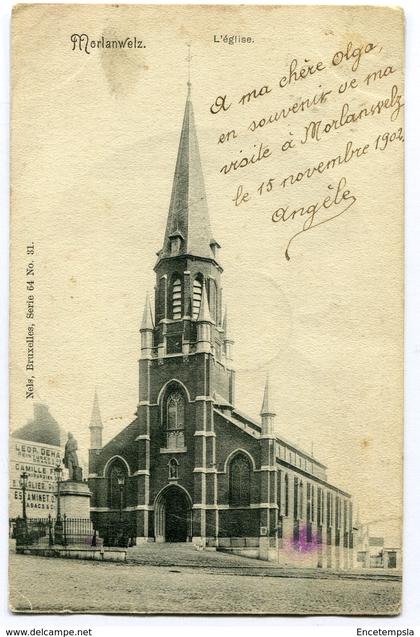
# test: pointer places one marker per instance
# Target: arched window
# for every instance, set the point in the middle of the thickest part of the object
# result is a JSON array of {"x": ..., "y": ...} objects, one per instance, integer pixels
[
  {"x": 308, "y": 502},
  {"x": 173, "y": 469},
  {"x": 300, "y": 500},
  {"x": 337, "y": 512},
  {"x": 312, "y": 503},
  {"x": 175, "y": 420},
  {"x": 176, "y": 299},
  {"x": 240, "y": 481},
  {"x": 117, "y": 485},
  {"x": 216, "y": 304},
  {"x": 286, "y": 494},
  {"x": 212, "y": 298},
  {"x": 161, "y": 300},
  {"x": 329, "y": 509},
  {"x": 197, "y": 294},
  {"x": 320, "y": 507},
  {"x": 295, "y": 498}
]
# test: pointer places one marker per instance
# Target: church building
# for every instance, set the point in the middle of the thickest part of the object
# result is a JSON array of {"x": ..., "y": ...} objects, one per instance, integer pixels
[{"x": 191, "y": 467}]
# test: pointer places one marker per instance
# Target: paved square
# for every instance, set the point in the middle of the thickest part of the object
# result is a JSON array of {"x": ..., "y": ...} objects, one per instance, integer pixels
[{"x": 48, "y": 585}]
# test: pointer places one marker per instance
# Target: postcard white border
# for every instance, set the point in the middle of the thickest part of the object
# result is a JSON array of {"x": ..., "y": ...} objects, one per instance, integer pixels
[{"x": 182, "y": 626}]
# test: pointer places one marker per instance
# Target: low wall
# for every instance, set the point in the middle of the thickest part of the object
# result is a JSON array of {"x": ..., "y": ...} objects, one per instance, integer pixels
[
  {"x": 78, "y": 553},
  {"x": 262, "y": 548},
  {"x": 238, "y": 542},
  {"x": 244, "y": 552}
]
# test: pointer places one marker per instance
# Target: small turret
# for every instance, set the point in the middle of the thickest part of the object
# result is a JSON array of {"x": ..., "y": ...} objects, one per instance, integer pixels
[
  {"x": 268, "y": 413},
  {"x": 204, "y": 322},
  {"x": 146, "y": 329},
  {"x": 227, "y": 342},
  {"x": 96, "y": 425}
]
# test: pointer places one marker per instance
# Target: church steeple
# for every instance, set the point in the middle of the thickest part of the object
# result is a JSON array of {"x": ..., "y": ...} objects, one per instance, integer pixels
[
  {"x": 188, "y": 229},
  {"x": 96, "y": 425},
  {"x": 188, "y": 290}
]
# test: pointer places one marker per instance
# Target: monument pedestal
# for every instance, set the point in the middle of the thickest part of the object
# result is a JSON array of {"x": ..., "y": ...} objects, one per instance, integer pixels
[{"x": 75, "y": 499}]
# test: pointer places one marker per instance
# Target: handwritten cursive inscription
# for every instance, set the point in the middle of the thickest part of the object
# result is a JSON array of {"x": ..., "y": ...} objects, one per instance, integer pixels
[
  {"x": 339, "y": 200},
  {"x": 316, "y": 128},
  {"x": 321, "y": 114}
]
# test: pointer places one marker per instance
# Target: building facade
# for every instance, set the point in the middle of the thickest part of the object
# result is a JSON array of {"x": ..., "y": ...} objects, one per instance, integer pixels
[
  {"x": 35, "y": 449},
  {"x": 372, "y": 551},
  {"x": 191, "y": 466}
]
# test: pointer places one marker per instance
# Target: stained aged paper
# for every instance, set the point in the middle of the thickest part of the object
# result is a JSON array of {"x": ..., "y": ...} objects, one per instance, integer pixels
[{"x": 227, "y": 180}]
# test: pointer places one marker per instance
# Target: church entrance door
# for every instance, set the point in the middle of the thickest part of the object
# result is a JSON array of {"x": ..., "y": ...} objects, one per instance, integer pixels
[
  {"x": 176, "y": 516},
  {"x": 173, "y": 515}
]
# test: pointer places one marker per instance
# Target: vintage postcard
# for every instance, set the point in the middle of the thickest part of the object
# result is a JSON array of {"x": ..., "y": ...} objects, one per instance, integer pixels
[{"x": 206, "y": 309}]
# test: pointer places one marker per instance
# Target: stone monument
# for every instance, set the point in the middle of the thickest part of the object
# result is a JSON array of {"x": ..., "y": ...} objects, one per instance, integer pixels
[
  {"x": 71, "y": 461},
  {"x": 74, "y": 492}
]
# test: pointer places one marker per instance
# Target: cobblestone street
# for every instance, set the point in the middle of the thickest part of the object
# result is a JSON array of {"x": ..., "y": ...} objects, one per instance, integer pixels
[{"x": 49, "y": 585}]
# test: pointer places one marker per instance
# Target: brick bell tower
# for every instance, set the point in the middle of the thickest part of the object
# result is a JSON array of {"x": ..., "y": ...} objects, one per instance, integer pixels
[{"x": 185, "y": 363}]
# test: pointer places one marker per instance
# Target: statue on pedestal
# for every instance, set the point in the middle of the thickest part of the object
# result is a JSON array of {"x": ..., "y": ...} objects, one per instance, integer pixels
[{"x": 70, "y": 460}]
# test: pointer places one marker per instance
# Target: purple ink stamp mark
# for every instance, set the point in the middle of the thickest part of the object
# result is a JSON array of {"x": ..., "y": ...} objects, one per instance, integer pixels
[{"x": 302, "y": 544}]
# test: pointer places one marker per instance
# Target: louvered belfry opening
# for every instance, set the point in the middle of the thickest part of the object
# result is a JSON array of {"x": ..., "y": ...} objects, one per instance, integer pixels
[{"x": 197, "y": 295}]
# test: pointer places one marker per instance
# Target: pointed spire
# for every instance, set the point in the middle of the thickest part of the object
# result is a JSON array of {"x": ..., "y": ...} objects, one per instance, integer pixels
[
  {"x": 146, "y": 330},
  {"x": 204, "y": 329},
  {"x": 227, "y": 341},
  {"x": 147, "y": 320},
  {"x": 268, "y": 413},
  {"x": 95, "y": 419},
  {"x": 188, "y": 215},
  {"x": 204, "y": 313},
  {"x": 267, "y": 408},
  {"x": 96, "y": 425},
  {"x": 225, "y": 322}
]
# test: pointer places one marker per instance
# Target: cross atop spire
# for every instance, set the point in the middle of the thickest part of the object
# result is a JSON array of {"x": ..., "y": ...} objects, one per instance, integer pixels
[{"x": 189, "y": 58}]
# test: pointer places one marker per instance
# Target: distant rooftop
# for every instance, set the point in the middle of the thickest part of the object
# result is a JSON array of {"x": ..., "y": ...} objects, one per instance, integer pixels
[{"x": 42, "y": 428}]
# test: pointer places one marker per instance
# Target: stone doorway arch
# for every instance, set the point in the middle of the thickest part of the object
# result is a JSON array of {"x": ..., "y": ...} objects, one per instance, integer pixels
[{"x": 173, "y": 515}]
